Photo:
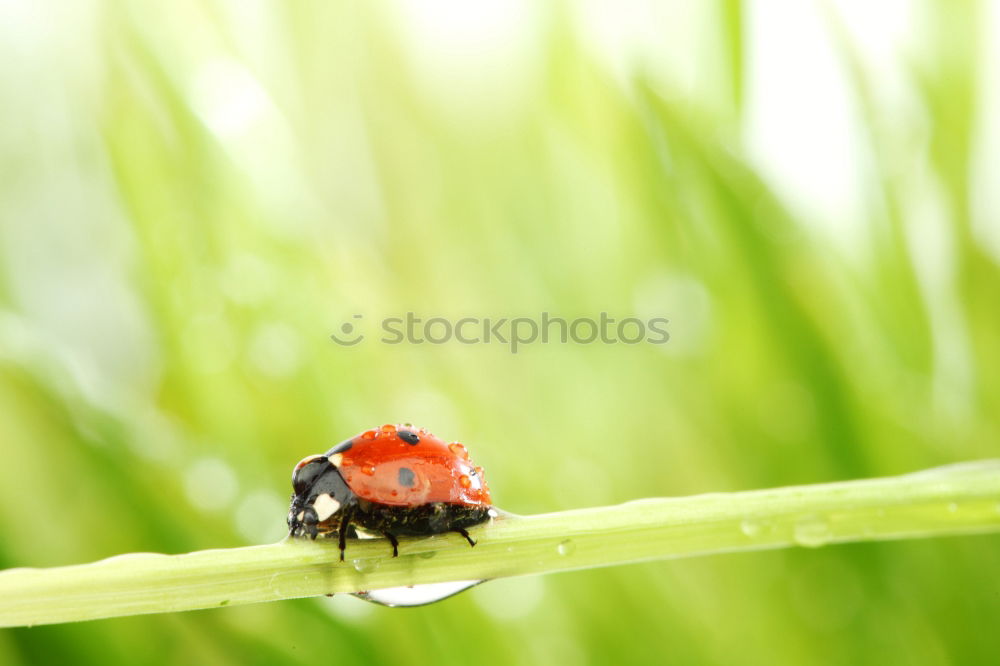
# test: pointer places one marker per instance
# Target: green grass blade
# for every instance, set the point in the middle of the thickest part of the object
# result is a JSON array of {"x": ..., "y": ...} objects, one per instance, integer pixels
[{"x": 959, "y": 499}]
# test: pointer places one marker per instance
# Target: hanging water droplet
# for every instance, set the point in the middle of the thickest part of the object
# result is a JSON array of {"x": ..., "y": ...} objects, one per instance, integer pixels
[
  {"x": 566, "y": 547},
  {"x": 365, "y": 565},
  {"x": 416, "y": 595},
  {"x": 751, "y": 528},
  {"x": 811, "y": 532}
]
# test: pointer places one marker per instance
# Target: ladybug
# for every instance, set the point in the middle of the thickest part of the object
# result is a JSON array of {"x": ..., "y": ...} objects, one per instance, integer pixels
[{"x": 393, "y": 481}]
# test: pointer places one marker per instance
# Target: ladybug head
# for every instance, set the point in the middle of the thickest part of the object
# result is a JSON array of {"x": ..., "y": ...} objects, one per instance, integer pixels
[{"x": 319, "y": 493}]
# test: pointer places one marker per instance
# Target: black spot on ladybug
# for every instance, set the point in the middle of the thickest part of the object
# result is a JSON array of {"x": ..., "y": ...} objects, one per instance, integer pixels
[
  {"x": 409, "y": 437},
  {"x": 406, "y": 477}
]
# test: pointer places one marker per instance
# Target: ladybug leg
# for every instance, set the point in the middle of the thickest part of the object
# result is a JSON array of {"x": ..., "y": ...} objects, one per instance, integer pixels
[
  {"x": 345, "y": 525},
  {"x": 309, "y": 522},
  {"x": 462, "y": 531},
  {"x": 395, "y": 543}
]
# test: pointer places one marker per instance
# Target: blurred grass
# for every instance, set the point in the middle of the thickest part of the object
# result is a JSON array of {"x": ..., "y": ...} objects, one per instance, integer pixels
[{"x": 195, "y": 196}]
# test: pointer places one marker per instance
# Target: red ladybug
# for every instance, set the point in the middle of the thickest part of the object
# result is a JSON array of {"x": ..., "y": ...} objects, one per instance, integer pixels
[{"x": 393, "y": 481}]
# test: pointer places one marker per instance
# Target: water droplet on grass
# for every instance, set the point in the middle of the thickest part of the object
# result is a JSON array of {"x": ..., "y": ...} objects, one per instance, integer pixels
[
  {"x": 812, "y": 532},
  {"x": 751, "y": 528},
  {"x": 566, "y": 547},
  {"x": 273, "y": 586},
  {"x": 365, "y": 565}
]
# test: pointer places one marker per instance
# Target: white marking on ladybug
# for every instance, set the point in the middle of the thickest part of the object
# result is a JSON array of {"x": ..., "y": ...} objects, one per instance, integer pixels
[
  {"x": 301, "y": 516},
  {"x": 336, "y": 459},
  {"x": 325, "y": 506}
]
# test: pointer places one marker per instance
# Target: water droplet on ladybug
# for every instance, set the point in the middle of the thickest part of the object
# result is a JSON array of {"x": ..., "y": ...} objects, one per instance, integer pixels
[
  {"x": 464, "y": 481},
  {"x": 368, "y": 469},
  {"x": 459, "y": 450},
  {"x": 389, "y": 429},
  {"x": 369, "y": 434}
]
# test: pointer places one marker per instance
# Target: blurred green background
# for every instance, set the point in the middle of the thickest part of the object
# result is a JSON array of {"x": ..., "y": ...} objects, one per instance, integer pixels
[{"x": 195, "y": 195}]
